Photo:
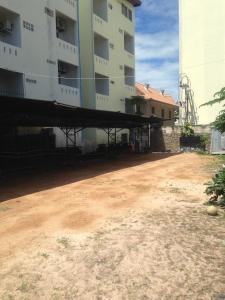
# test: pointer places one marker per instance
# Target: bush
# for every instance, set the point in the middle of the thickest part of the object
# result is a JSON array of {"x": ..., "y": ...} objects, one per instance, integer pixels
[
  {"x": 187, "y": 130},
  {"x": 204, "y": 139},
  {"x": 216, "y": 188}
]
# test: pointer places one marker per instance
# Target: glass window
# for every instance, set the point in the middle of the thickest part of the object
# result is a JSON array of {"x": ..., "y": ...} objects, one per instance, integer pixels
[{"x": 130, "y": 15}]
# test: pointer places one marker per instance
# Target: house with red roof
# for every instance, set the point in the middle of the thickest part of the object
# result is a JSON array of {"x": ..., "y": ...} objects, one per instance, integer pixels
[{"x": 152, "y": 102}]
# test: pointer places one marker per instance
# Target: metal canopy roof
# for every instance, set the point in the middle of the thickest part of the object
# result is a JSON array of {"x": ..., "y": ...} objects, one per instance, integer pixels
[{"x": 39, "y": 113}]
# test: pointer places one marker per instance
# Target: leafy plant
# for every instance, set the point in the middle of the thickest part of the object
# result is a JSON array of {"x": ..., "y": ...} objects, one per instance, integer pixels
[
  {"x": 216, "y": 188},
  {"x": 204, "y": 139},
  {"x": 218, "y": 97},
  {"x": 219, "y": 123},
  {"x": 187, "y": 130}
]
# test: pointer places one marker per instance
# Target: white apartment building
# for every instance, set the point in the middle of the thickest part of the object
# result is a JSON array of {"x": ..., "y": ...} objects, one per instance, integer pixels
[
  {"x": 107, "y": 37},
  {"x": 202, "y": 52},
  {"x": 39, "y": 51}
]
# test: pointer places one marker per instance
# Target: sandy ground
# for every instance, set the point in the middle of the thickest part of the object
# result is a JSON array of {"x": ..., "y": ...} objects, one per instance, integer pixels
[{"x": 133, "y": 228}]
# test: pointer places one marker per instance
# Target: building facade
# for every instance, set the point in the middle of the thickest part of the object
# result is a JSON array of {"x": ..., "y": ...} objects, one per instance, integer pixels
[
  {"x": 151, "y": 102},
  {"x": 202, "y": 52},
  {"x": 39, "y": 51},
  {"x": 107, "y": 34}
]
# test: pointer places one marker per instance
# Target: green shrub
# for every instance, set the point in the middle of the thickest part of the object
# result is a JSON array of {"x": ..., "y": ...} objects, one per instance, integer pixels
[
  {"x": 216, "y": 188},
  {"x": 187, "y": 130},
  {"x": 204, "y": 139}
]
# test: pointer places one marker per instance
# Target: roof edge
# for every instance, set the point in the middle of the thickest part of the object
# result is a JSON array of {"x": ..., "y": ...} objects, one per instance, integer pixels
[{"x": 135, "y": 3}]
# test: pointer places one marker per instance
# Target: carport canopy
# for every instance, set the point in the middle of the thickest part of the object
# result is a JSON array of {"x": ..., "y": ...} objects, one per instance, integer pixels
[{"x": 20, "y": 112}]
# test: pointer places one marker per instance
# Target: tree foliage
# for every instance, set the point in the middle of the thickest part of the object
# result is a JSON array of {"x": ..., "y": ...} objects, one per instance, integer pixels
[
  {"x": 187, "y": 130},
  {"x": 219, "y": 123},
  {"x": 218, "y": 97},
  {"x": 216, "y": 188}
]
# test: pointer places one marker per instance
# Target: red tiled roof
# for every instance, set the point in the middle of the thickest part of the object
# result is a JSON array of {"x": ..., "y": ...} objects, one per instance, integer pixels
[{"x": 153, "y": 94}]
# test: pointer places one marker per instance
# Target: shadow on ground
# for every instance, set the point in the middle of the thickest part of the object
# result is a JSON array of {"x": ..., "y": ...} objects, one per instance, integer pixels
[{"x": 37, "y": 181}]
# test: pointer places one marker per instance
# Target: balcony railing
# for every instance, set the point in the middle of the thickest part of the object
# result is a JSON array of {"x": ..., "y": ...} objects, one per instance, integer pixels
[
  {"x": 12, "y": 93},
  {"x": 101, "y": 60}
]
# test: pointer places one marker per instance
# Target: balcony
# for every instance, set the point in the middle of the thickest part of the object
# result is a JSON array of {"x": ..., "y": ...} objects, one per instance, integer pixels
[
  {"x": 10, "y": 31},
  {"x": 100, "y": 8},
  {"x": 10, "y": 57},
  {"x": 101, "y": 84},
  {"x": 129, "y": 76},
  {"x": 135, "y": 105},
  {"x": 102, "y": 99},
  {"x": 128, "y": 43},
  {"x": 67, "y": 52},
  {"x": 11, "y": 84},
  {"x": 101, "y": 46},
  {"x": 66, "y": 29},
  {"x": 68, "y": 75},
  {"x": 68, "y": 95},
  {"x": 67, "y": 7}
]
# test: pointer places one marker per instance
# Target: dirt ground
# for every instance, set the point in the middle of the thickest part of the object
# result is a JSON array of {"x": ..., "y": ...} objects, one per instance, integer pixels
[{"x": 132, "y": 228}]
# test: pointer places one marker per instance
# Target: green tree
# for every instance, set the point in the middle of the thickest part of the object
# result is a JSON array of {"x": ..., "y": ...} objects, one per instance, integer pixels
[
  {"x": 219, "y": 123},
  {"x": 218, "y": 97}
]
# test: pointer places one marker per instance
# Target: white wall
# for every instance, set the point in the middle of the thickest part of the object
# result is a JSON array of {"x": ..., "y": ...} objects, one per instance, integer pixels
[
  {"x": 202, "y": 51},
  {"x": 37, "y": 57}
]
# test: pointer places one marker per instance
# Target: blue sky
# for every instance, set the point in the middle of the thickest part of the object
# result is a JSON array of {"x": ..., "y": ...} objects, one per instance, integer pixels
[{"x": 157, "y": 44}]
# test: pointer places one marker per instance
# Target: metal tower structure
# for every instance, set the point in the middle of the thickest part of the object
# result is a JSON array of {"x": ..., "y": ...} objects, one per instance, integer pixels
[{"x": 187, "y": 108}]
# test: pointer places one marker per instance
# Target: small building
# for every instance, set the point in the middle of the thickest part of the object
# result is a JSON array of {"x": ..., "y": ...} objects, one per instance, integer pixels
[{"x": 152, "y": 102}]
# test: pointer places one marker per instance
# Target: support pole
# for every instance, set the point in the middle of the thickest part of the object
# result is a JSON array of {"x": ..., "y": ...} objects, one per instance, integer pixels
[
  {"x": 115, "y": 137},
  {"x": 108, "y": 132},
  {"x": 149, "y": 136}
]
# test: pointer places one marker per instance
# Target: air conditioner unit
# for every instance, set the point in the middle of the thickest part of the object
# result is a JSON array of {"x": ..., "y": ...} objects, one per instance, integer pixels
[
  {"x": 60, "y": 24},
  {"x": 6, "y": 27}
]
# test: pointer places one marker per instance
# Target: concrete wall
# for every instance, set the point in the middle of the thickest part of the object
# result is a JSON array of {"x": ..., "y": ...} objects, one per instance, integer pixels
[
  {"x": 167, "y": 138},
  {"x": 202, "y": 51}
]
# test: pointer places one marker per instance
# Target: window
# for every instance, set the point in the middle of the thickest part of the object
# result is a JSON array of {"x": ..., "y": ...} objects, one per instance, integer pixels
[
  {"x": 130, "y": 15},
  {"x": 128, "y": 43},
  {"x": 129, "y": 76},
  {"x": 170, "y": 114},
  {"x": 127, "y": 12},
  {"x": 163, "y": 113},
  {"x": 124, "y": 10},
  {"x": 153, "y": 110}
]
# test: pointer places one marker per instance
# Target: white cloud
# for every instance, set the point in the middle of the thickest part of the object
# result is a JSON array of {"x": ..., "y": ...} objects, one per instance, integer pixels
[
  {"x": 157, "y": 46},
  {"x": 163, "y": 77},
  {"x": 161, "y": 47},
  {"x": 164, "y": 8}
]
